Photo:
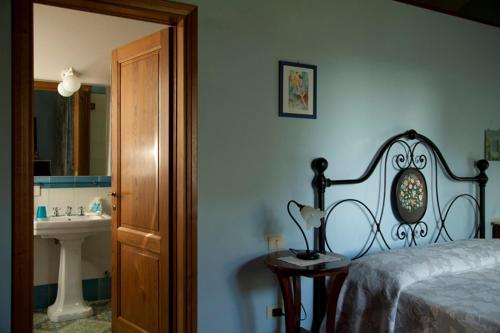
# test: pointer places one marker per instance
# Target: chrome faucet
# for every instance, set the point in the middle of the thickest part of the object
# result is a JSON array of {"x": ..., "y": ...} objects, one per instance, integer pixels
[
  {"x": 80, "y": 211},
  {"x": 68, "y": 210},
  {"x": 56, "y": 211}
]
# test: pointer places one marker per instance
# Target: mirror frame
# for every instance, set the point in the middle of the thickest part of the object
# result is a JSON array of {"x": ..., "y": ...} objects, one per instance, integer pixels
[{"x": 81, "y": 124}]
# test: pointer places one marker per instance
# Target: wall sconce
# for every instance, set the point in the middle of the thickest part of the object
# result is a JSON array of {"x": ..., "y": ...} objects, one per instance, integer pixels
[
  {"x": 70, "y": 83},
  {"x": 312, "y": 217}
]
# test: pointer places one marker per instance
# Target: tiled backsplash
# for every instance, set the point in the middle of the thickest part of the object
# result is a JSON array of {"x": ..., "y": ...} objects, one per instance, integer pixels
[
  {"x": 70, "y": 181},
  {"x": 96, "y": 249},
  {"x": 74, "y": 197}
]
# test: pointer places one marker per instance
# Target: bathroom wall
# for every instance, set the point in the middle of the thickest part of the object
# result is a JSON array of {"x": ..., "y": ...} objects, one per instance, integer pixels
[
  {"x": 90, "y": 52},
  {"x": 96, "y": 250}
]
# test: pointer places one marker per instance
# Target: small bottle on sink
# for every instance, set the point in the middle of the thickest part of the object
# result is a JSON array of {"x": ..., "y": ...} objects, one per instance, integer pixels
[{"x": 95, "y": 207}]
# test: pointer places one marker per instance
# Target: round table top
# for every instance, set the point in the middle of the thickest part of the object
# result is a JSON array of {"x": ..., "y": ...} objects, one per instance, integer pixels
[{"x": 322, "y": 269}]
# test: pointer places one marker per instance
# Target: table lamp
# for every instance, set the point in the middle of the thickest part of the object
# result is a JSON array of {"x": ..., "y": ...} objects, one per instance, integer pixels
[{"x": 312, "y": 217}]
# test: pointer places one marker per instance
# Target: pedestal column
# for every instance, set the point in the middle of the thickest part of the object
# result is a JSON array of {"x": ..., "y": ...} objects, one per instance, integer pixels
[{"x": 69, "y": 303}]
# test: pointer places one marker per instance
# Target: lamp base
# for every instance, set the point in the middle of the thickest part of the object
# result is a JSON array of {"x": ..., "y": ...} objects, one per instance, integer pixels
[{"x": 307, "y": 255}]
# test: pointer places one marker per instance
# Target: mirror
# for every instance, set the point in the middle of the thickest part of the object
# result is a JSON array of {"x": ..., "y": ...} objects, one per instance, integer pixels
[{"x": 71, "y": 134}]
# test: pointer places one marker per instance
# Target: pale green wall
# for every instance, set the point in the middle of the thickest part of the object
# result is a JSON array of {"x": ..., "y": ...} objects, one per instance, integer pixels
[
  {"x": 383, "y": 67},
  {"x": 5, "y": 166}
]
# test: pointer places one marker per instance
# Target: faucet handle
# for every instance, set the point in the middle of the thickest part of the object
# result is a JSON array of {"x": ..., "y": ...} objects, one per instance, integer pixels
[
  {"x": 56, "y": 210},
  {"x": 80, "y": 211},
  {"x": 68, "y": 210}
]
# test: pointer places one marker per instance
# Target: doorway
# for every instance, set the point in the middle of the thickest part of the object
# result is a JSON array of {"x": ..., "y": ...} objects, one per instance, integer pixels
[{"x": 180, "y": 315}]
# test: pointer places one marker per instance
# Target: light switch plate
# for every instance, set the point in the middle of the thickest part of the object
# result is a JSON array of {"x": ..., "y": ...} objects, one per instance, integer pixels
[
  {"x": 276, "y": 242},
  {"x": 37, "y": 191}
]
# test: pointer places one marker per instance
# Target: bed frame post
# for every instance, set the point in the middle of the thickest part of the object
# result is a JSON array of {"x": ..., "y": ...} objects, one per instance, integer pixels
[
  {"x": 320, "y": 183},
  {"x": 482, "y": 179}
]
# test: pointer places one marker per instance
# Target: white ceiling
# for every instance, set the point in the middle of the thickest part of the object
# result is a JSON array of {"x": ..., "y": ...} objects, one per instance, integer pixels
[{"x": 66, "y": 38}]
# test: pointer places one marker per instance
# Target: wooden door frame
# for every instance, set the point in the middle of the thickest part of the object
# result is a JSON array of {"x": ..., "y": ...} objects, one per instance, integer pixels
[{"x": 183, "y": 18}]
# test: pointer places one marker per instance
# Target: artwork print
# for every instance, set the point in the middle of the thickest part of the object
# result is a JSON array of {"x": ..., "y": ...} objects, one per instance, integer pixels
[
  {"x": 492, "y": 145},
  {"x": 410, "y": 195},
  {"x": 297, "y": 90}
]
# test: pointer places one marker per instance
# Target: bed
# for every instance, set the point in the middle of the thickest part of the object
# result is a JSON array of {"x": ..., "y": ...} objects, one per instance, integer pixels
[
  {"x": 445, "y": 287},
  {"x": 429, "y": 282}
]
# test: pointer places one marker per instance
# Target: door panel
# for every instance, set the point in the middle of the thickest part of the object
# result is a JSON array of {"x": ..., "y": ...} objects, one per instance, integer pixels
[
  {"x": 139, "y": 142},
  {"x": 139, "y": 271},
  {"x": 141, "y": 185}
]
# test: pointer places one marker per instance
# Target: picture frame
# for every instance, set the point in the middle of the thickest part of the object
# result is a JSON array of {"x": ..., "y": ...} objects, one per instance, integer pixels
[
  {"x": 492, "y": 145},
  {"x": 297, "y": 90}
]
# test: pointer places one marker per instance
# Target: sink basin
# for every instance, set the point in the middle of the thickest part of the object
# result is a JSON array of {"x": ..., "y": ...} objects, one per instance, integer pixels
[
  {"x": 71, "y": 232},
  {"x": 74, "y": 226}
]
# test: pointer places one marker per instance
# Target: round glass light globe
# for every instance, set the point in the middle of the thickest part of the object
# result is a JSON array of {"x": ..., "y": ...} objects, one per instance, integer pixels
[
  {"x": 63, "y": 92},
  {"x": 71, "y": 83}
]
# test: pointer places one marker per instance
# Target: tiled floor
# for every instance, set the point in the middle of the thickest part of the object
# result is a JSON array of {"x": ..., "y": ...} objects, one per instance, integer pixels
[{"x": 100, "y": 322}]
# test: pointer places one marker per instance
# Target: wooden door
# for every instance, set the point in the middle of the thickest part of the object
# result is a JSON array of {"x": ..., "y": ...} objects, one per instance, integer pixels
[{"x": 141, "y": 185}]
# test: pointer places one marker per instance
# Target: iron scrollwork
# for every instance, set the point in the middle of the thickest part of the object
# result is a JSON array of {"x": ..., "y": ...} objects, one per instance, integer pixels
[{"x": 407, "y": 159}]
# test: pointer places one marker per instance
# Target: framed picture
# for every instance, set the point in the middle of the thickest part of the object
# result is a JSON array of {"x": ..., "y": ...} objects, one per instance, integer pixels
[
  {"x": 492, "y": 145},
  {"x": 297, "y": 84}
]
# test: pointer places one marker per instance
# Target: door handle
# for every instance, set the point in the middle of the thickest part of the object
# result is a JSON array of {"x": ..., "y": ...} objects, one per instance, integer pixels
[{"x": 112, "y": 194}]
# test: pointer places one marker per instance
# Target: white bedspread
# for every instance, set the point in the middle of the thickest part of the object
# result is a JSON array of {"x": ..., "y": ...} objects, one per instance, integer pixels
[
  {"x": 368, "y": 300},
  {"x": 464, "y": 302}
]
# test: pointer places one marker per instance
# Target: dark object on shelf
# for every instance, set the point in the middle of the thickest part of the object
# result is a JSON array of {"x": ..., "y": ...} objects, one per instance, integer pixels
[{"x": 41, "y": 168}]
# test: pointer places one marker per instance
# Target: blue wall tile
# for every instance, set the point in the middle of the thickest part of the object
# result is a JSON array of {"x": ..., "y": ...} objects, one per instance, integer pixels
[
  {"x": 72, "y": 181},
  {"x": 40, "y": 297},
  {"x": 62, "y": 182},
  {"x": 91, "y": 289},
  {"x": 62, "y": 179},
  {"x": 105, "y": 288},
  {"x": 86, "y": 181},
  {"x": 104, "y": 181},
  {"x": 52, "y": 293},
  {"x": 41, "y": 180}
]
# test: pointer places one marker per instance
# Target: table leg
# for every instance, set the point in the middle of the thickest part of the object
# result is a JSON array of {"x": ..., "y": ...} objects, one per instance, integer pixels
[
  {"x": 291, "y": 297},
  {"x": 333, "y": 297}
]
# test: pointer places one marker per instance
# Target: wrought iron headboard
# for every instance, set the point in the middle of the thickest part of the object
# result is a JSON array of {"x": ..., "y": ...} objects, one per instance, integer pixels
[{"x": 409, "y": 141}]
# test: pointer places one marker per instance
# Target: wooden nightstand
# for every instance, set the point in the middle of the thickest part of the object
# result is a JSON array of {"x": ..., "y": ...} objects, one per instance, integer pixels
[
  {"x": 495, "y": 225},
  {"x": 289, "y": 278}
]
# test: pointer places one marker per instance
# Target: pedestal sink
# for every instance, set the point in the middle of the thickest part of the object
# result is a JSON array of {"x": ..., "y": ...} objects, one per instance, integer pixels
[{"x": 70, "y": 231}]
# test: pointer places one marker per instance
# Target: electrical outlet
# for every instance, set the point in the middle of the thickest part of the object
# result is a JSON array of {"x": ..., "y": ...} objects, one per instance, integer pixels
[
  {"x": 274, "y": 312},
  {"x": 275, "y": 242}
]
